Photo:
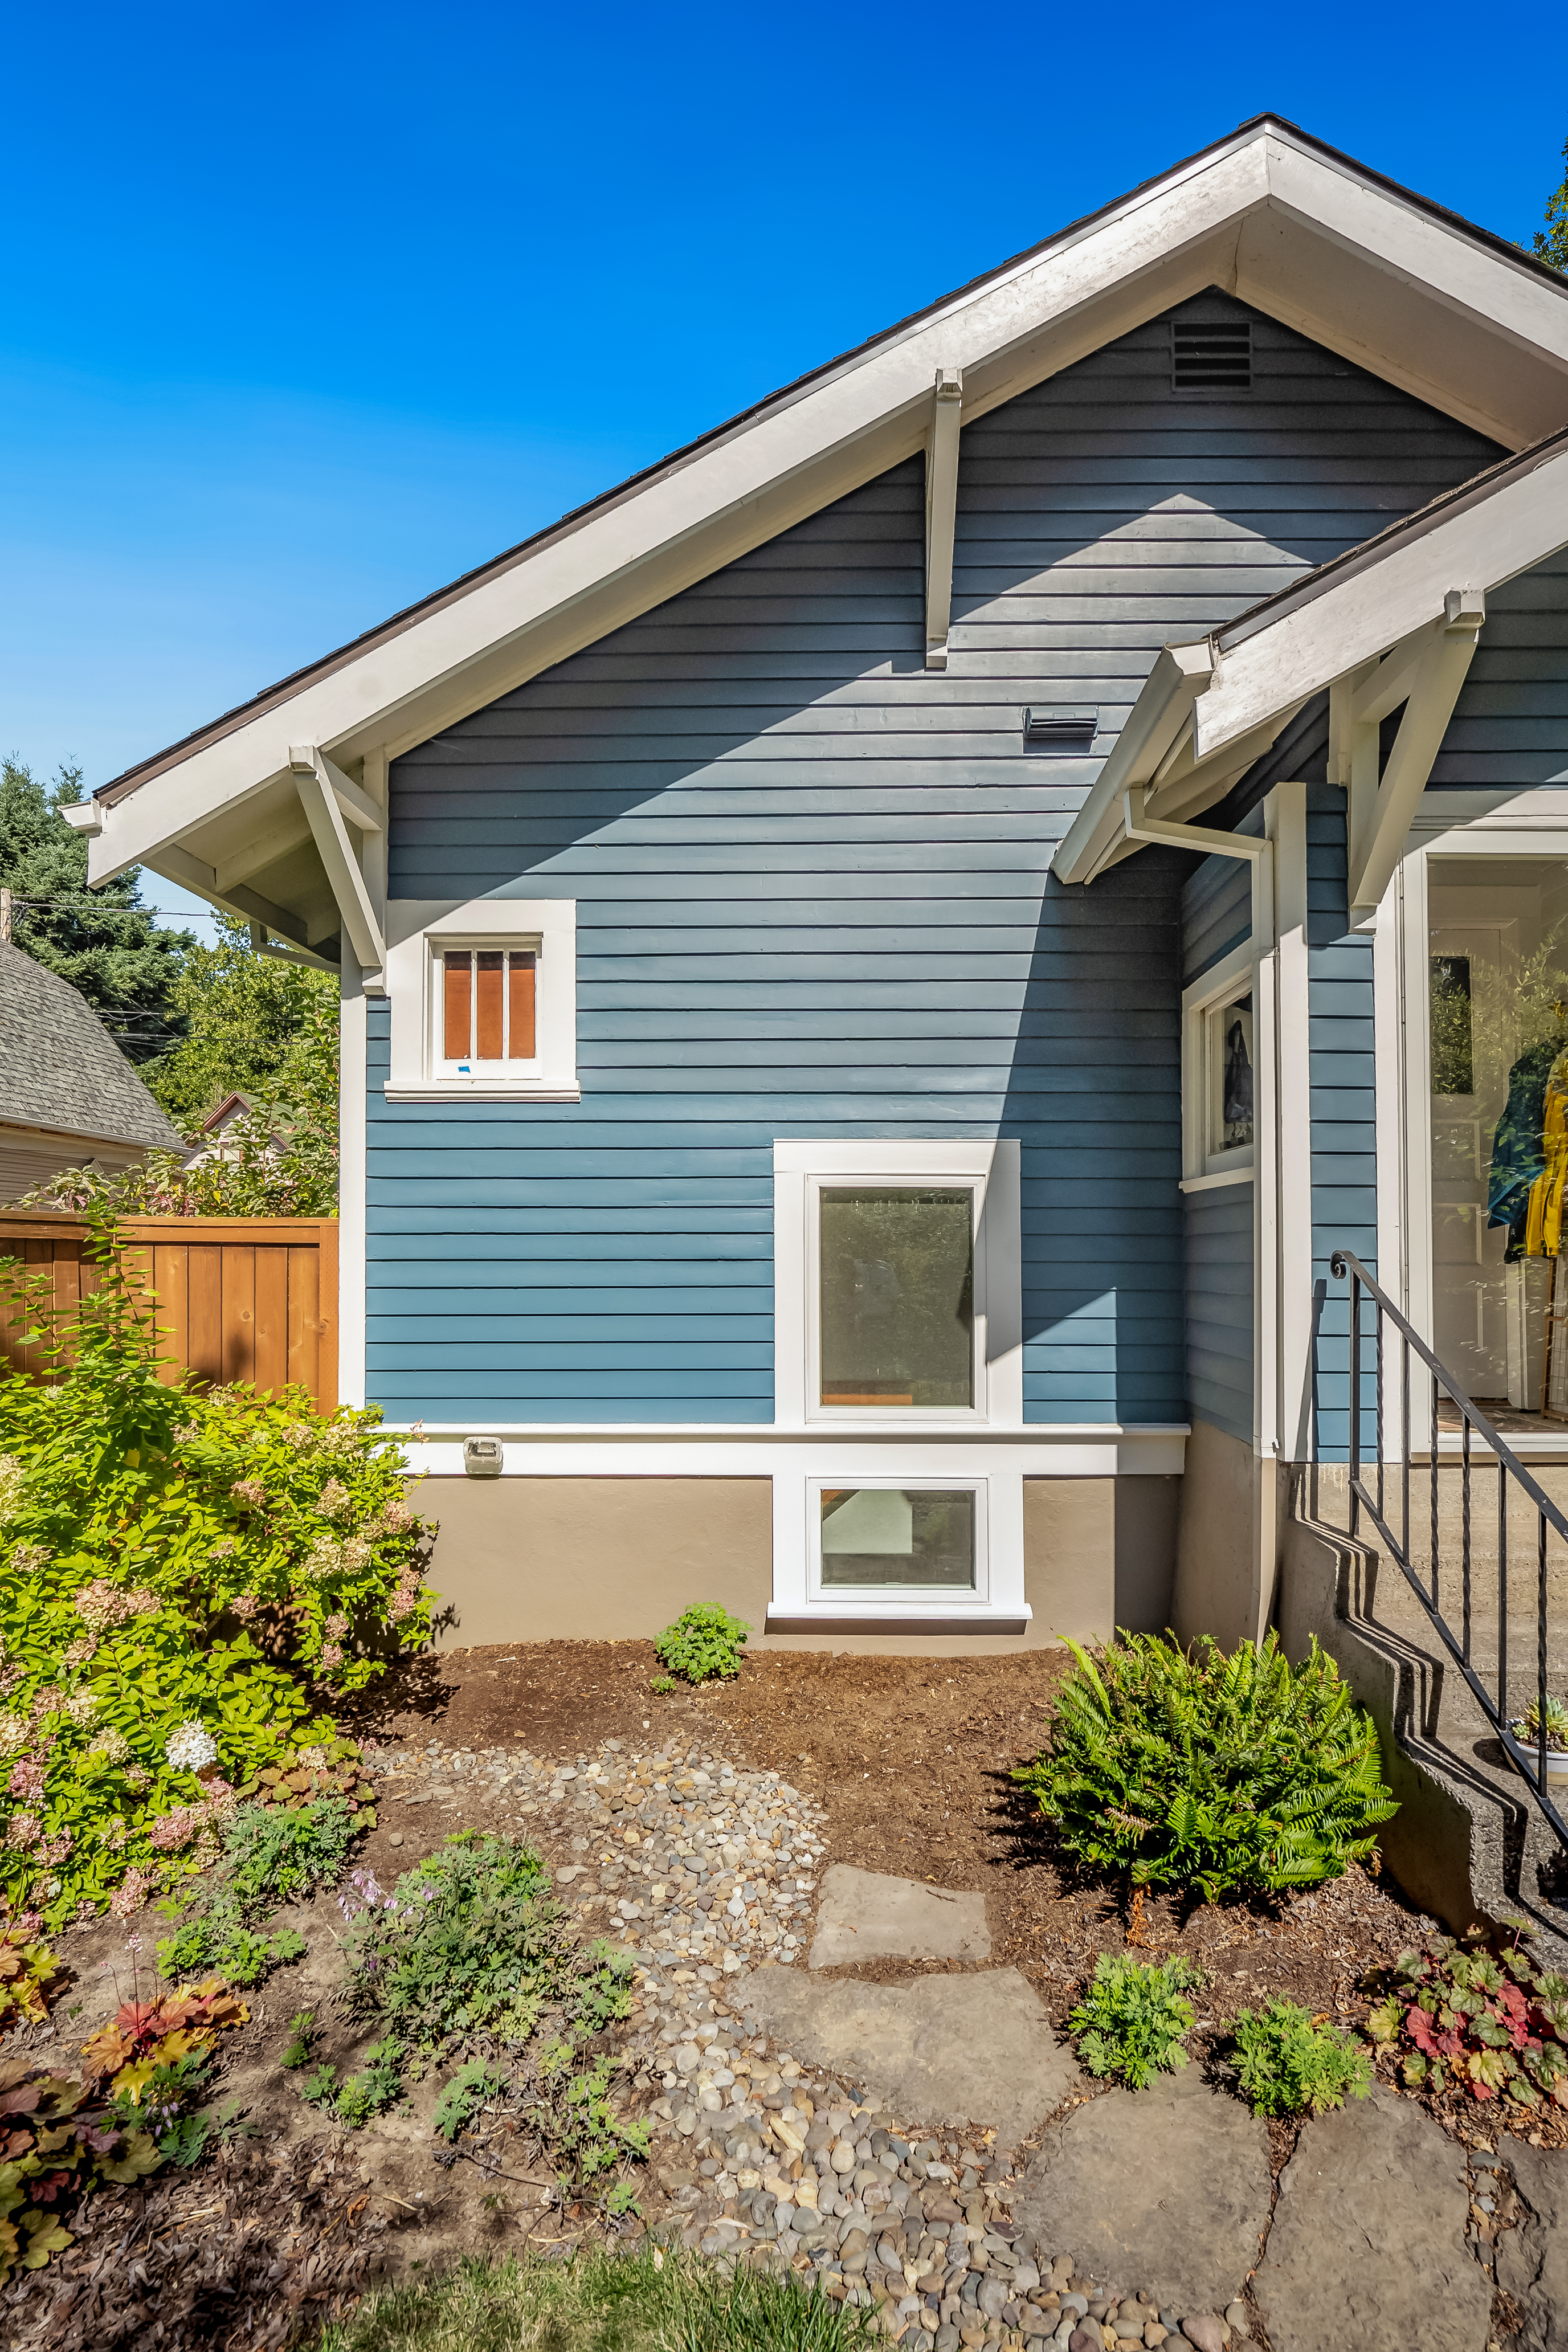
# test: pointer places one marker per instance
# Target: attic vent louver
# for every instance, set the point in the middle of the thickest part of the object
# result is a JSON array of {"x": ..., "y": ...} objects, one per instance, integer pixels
[
  {"x": 1211, "y": 355},
  {"x": 1071, "y": 726}
]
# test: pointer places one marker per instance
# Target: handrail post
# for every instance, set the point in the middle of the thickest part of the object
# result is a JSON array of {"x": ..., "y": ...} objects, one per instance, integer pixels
[{"x": 1355, "y": 1402}]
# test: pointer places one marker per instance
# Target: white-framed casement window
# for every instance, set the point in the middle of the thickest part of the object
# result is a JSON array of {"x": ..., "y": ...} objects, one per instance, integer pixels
[
  {"x": 898, "y": 1283},
  {"x": 919, "y": 1542},
  {"x": 484, "y": 1000},
  {"x": 1219, "y": 1064}
]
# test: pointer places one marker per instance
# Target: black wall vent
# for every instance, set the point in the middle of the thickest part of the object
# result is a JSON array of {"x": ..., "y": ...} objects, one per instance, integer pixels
[
  {"x": 1212, "y": 355},
  {"x": 1072, "y": 727}
]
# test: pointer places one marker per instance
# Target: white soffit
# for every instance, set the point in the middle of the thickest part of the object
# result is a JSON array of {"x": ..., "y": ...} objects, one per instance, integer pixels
[{"x": 1301, "y": 232}]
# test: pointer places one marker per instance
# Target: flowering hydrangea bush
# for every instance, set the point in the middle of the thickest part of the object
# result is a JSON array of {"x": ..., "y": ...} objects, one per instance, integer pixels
[{"x": 187, "y": 1581}]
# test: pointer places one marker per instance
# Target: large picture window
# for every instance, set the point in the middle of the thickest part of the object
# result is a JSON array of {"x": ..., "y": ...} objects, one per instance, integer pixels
[{"x": 895, "y": 1310}]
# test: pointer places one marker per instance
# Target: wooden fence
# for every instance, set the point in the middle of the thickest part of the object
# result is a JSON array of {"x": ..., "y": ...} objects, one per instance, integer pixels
[{"x": 237, "y": 1299}]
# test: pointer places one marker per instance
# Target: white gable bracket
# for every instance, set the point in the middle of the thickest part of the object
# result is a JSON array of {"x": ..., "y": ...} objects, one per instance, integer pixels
[
  {"x": 942, "y": 510},
  {"x": 321, "y": 788},
  {"x": 1425, "y": 672}
]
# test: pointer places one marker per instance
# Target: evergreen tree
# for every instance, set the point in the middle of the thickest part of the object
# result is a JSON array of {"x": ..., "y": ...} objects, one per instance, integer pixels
[
  {"x": 1551, "y": 244},
  {"x": 103, "y": 941}
]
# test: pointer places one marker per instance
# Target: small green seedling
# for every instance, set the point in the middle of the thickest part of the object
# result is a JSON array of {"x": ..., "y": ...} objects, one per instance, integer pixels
[
  {"x": 299, "y": 2050},
  {"x": 1133, "y": 2018},
  {"x": 1289, "y": 2067},
  {"x": 662, "y": 1683},
  {"x": 704, "y": 1642}
]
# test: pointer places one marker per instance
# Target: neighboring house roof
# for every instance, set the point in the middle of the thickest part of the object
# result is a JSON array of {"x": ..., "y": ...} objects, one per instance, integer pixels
[
  {"x": 60, "y": 1067},
  {"x": 1399, "y": 286},
  {"x": 1410, "y": 601}
]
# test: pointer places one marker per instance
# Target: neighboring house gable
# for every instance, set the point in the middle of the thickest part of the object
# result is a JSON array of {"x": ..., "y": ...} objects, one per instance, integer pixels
[{"x": 67, "y": 1092}]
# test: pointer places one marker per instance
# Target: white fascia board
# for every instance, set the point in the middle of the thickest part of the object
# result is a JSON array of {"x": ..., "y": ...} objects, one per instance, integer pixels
[
  {"x": 726, "y": 498},
  {"x": 770, "y": 471},
  {"x": 1155, "y": 724},
  {"x": 1372, "y": 606}
]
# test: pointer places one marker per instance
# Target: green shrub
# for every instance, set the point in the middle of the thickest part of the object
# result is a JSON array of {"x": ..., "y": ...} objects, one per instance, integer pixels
[
  {"x": 181, "y": 1574},
  {"x": 705, "y": 1640},
  {"x": 655, "y": 2299},
  {"x": 1289, "y": 2067},
  {"x": 1133, "y": 2018},
  {"x": 468, "y": 1959},
  {"x": 1490, "y": 2025},
  {"x": 1234, "y": 1776}
]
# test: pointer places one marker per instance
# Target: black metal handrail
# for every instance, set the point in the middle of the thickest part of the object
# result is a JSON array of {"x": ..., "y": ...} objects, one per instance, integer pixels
[{"x": 1532, "y": 1766}]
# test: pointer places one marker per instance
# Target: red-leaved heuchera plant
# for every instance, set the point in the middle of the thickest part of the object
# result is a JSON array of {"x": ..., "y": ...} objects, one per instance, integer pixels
[{"x": 1489, "y": 2024}]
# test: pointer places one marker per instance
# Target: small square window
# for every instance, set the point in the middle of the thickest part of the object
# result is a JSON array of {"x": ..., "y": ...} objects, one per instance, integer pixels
[{"x": 484, "y": 1000}]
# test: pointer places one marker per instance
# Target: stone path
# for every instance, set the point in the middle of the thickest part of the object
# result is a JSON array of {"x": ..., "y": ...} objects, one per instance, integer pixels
[
  {"x": 1368, "y": 2241},
  {"x": 1170, "y": 2186},
  {"x": 951, "y": 2049},
  {"x": 864, "y": 1916},
  {"x": 857, "y": 2132}
]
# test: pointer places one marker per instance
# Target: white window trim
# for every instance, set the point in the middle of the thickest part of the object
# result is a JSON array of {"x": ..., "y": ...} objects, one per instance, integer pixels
[
  {"x": 418, "y": 934},
  {"x": 990, "y": 1168},
  {"x": 899, "y": 1600},
  {"x": 1203, "y": 1170}
]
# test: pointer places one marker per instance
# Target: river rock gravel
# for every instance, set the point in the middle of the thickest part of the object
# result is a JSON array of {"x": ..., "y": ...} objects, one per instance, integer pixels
[{"x": 699, "y": 1868}]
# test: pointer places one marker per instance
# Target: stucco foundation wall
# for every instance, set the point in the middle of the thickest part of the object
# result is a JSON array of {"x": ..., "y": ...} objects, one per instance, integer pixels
[
  {"x": 1225, "y": 1564},
  {"x": 542, "y": 1560}
]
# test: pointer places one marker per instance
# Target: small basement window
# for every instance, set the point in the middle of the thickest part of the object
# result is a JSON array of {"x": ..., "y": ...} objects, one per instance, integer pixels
[
  {"x": 910, "y": 1538},
  {"x": 1211, "y": 355}
]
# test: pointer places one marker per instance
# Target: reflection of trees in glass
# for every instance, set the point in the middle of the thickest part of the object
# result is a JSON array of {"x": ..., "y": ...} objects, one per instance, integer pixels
[
  {"x": 1510, "y": 1006},
  {"x": 1453, "y": 1060},
  {"x": 898, "y": 1297}
]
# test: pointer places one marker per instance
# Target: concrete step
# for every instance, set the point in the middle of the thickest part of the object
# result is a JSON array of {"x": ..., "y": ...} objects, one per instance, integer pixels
[{"x": 1470, "y": 1842}]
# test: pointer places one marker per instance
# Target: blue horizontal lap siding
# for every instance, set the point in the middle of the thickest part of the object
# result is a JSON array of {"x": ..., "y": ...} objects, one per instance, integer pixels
[
  {"x": 1219, "y": 1307},
  {"x": 1344, "y": 1106},
  {"x": 813, "y": 898}
]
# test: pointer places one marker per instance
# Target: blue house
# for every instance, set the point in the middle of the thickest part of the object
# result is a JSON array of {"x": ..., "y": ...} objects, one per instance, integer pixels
[{"x": 881, "y": 958}]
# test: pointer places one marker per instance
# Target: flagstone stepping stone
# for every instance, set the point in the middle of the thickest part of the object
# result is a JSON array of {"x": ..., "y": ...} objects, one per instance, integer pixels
[
  {"x": 1368, "y": 2241},
  {"x": 945, "y": 2050},
  {"x": 863, "y": 1915},
  {"x": 1169, "y": 2187},
  {"x": 1532, "y": 2257}
]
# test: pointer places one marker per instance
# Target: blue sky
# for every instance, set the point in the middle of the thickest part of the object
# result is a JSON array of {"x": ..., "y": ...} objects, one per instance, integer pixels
[{"x": 310, "y": 309}]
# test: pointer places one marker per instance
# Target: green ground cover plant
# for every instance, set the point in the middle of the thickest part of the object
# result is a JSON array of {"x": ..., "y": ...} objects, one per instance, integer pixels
[
  {"x": 1288, "y": 2065},
  {"x": 654, "y": 2299},
  {"x": 1133, "y": 2018},
  {"x": 270, "y": 1856},
  {"x": 467, "y": 1962},
  {"x": 1469, "y": 2019},
  {"x": 704, "y": 1642},
  {"x": 1224, "y": 1776},
  {"x": 187, "y": 1579}
]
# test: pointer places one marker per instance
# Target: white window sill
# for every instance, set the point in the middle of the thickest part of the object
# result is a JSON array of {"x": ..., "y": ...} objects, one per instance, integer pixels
[
  {"x": 865, "y": 1615},
  {"x": 1221, "y": 1177},
  {"x": 478, "y": 1090}
]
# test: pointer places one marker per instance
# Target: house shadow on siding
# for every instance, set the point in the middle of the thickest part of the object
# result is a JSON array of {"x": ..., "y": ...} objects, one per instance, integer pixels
[{"x": 1094, "y": 1097}]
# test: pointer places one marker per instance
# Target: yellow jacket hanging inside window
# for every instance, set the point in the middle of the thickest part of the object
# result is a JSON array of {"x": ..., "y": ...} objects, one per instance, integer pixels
[{"x": 1543, "y": 1231}]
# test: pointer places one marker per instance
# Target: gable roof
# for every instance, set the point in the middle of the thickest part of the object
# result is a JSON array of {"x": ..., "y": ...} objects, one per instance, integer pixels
[
  {"x": 61, "y": 1070},
  {"x": 1400, "y": 285},
  {"x": 1211, "y": 708}
]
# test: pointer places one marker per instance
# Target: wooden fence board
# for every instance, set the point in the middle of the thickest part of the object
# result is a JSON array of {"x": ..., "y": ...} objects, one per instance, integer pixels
[{"x": 236, "y": 1298}]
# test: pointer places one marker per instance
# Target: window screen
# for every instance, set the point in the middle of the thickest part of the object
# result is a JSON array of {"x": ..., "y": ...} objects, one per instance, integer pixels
[
  {"x": 898, "y": 1298},
  {"x": 488, "y": 1005}
]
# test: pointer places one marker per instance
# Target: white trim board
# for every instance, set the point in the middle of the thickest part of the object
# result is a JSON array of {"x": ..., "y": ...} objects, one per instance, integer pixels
[{"x": 659, "y": 1450}]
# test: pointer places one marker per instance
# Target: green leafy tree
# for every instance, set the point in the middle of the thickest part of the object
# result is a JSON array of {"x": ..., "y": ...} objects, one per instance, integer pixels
[
  {"x": 253, "y": 1026},
  {"x": 1551, "y": 244},
  {"x": 105, "y": 942}
]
